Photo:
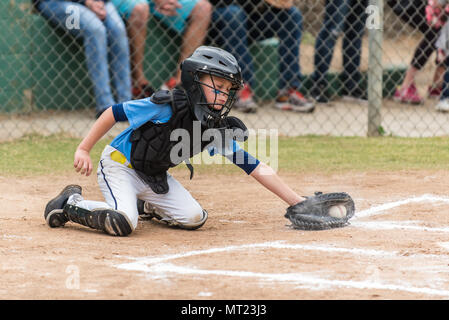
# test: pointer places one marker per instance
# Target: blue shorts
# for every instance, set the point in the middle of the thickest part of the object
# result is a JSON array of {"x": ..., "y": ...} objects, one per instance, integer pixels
[{"x": 177, "y": 23}]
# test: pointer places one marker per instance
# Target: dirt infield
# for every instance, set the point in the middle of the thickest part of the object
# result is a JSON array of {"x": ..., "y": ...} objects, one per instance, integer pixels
[{"x": 396, "y": 247}]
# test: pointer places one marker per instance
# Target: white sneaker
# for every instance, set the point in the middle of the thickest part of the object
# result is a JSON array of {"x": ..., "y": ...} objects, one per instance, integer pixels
[
  {"x": 443, "y": 105},
  {"x": 169, "y": 84},
  {"x": 293, "y": 100}
]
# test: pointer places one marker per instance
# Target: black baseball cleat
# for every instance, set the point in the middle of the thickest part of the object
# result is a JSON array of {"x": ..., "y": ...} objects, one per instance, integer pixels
[{"x": 53, "y": 214}]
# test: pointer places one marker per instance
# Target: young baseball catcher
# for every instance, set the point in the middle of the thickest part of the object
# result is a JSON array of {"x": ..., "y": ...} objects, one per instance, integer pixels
[{"x": 132, "y": 172}]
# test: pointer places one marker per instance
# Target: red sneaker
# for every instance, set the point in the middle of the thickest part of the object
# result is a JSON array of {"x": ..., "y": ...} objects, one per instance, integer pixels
[
  {"x": 408, "y": 95},
  {"x": 434, "y": 92}
]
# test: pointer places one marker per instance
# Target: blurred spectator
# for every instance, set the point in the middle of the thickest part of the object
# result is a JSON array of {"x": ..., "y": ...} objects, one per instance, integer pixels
[
  {"x": 103, "y": 32},
  {"x": 345, "y": 17},
  {"x": 235, "y": 24},
  {"x": 188, "y": 17},
  {"x": 428, "y": 17},
  {"x": 442, "y": 45}
]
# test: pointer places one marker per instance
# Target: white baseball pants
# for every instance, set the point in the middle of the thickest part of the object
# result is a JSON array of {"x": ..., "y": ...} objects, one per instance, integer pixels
[{"x": 121, "y": 187}]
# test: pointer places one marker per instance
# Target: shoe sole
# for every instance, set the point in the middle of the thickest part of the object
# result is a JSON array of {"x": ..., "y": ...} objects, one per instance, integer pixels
[
  {"x": 58, "y": 201},
  {"x": 304, "y": 109},
  {"x": 442, "y": 110},
  {"x": 53, "y": 220},
  {"x": 246, "y": 110},
  {"x": 288, "y": 107}
]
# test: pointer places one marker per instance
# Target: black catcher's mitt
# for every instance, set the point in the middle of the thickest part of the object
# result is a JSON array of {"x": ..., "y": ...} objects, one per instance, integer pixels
[{"x": 315, "y": 212}]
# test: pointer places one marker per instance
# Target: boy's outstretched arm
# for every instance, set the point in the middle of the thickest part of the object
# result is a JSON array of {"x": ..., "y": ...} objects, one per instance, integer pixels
[
  {"x": 82, "y": 161},
  {"x": 267, "y": 177}
]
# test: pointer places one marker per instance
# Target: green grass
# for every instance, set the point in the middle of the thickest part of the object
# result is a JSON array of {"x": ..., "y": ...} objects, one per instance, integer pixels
[
  {"x": 361, "y": 154},
  {"x": 36, "y": 155}
]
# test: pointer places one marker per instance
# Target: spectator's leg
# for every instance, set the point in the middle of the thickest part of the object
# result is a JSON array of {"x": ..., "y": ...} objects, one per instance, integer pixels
[
  {"x": 119, "y": 53},
  {"x": 93, "y": 34},
  {"x": 443, "y": 104},
  {"x": 229, "y": 26},
  {"x": 409, "y": 77},
  {"x": 435, "y": 88},
  {"x": 195, "y": 32},
  {"x": 334, "y": 14},
  {"x": 408, "y": 92},
  {"x": 421, "y": 55},
  {"x": 354, "y": 28},
  {"x": 192, "y": 20},
  {"x": 445, "y": 92},
  {"x": 414, "y": 14},
  {"x": 288, "y": 24},
  {"x": 137, "y": 33},
  {"x": 95, "y": 43},
  {"x": 229, "y": 30}
]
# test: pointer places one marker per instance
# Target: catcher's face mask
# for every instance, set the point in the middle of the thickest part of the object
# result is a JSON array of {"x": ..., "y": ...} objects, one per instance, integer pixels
[
  {"x": 218, "y": 95},
  {"x": 200, "y": 73}
]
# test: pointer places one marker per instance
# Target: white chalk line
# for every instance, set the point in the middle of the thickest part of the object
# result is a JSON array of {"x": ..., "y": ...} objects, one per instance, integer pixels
[
  {"x": 444, "y": 245},
  {"x": 305, "y": 281},
  {"x": 272, "y": 245},
  {"x": 389, "y": 225},
  {"x": 380, "y": 209},
  {"x": 15, "y": 237},
  {"x": 155, "y": 265},
  {"x": 265, "y": 245}
]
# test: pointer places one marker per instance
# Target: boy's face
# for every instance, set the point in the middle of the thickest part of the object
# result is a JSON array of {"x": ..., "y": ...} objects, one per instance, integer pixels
[{"x": 216, "y": 90}]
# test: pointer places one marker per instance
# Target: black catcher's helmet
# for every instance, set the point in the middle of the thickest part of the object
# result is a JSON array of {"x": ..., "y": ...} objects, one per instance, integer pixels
[{"x": 211, "y": 61}]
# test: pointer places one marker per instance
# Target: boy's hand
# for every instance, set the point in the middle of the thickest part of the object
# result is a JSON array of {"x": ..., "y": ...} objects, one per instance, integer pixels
[{"x": 83, "y": 162}]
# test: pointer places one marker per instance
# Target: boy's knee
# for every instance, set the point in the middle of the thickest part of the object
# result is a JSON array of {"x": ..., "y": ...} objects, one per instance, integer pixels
[
  {"x": 192, "y": 217},
  {"x": 195, "y": 220}
]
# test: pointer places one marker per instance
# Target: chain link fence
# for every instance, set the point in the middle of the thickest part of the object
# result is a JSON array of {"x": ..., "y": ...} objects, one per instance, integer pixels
[{"x": 356, "y": 62}]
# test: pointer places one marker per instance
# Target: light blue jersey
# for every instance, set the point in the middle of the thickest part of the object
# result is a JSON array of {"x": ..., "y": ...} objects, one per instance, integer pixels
[{"x": 138, "y": 112}]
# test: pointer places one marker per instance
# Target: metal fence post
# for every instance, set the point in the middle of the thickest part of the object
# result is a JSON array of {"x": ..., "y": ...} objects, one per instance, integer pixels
[{"x": 374, "y": 23}]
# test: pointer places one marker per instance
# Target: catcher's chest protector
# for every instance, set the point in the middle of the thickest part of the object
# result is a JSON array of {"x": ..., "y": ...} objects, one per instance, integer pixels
[{"x": 151, "y": 146}]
